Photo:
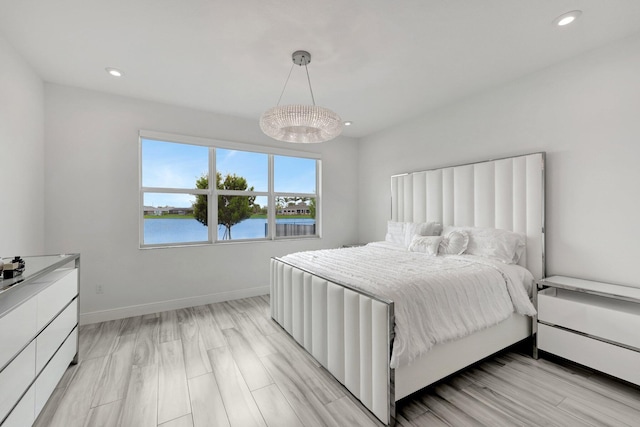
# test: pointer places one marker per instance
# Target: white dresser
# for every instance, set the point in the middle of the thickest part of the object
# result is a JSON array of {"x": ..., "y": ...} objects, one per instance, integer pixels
[
  {"x": 591, "y": 323},
  {"x": 38, "y": 334}
]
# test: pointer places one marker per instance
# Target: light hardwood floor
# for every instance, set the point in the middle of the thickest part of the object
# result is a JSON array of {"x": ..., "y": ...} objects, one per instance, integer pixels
[{"x": 229, "y": 364}]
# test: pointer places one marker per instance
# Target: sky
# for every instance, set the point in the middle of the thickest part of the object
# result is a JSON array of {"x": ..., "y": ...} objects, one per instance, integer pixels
[{"x": 174, "y": 165}]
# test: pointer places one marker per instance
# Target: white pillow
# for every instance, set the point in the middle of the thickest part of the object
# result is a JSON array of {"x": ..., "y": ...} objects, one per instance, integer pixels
[
  {"x": 504, "y": 245},
  {"x": 454, "y": 242},
  {"x": 395, "y": 233},
  {"x": 425, "y": 244},
  {"x": 421, "y": 228}
]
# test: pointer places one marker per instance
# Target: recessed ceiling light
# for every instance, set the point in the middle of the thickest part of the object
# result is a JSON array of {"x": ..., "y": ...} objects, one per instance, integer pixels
[
  {"x": 348, "y": 123},
  {"x": 114, "y": 72},
  {"x": 567, "y": 18}
]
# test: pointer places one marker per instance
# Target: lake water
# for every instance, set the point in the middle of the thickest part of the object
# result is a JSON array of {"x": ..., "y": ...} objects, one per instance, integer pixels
[{"x": 164, "y": 230}]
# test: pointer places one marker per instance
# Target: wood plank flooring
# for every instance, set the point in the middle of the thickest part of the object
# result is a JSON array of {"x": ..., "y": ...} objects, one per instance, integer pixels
[{"x": 229, "y": 364}]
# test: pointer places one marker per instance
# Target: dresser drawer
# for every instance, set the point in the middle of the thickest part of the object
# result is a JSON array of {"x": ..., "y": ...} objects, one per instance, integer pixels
[
  {"x": 54, "y": 335},
  {"x": 18, "y": 328},
  {"x": 611, "y": 359},
  {"x": 612, "y": 319},
  {"x": 16, "y": 378},
  {"x": 23, "y": 414},
  {"x": 51, "y": 375},
  {"x": 55, "y": 297}
]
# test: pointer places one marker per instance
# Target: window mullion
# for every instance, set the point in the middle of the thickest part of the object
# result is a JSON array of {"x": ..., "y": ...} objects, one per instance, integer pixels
[
  {"x": 242, "y": 193},
  {"x": 141, "y": 196},
  {"x": 271, "y": 203},
  {"x": 173, "y": 190},
  {"x": 318, "y": 218},
  {"x": 212, "y": 209},
  {"x": 295, "y": 194}
]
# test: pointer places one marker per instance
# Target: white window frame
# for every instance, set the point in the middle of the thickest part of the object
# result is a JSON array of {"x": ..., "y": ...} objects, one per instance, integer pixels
[{"x": 212, "y": 192}]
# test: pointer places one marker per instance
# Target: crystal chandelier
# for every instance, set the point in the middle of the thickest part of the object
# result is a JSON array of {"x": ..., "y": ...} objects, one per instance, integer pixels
[{"x": 300, "y": 123}]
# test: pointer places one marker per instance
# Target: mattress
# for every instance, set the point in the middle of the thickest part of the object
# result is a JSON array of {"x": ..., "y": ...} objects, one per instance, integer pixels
[{"x": 436, "y": 299}]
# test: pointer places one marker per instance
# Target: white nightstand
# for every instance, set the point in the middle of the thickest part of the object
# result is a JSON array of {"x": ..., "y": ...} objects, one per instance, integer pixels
[{"x": 592, "y": 323}]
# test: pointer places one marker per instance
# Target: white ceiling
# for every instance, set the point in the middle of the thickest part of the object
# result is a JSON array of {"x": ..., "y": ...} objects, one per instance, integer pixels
[{"x": 375, "y": 62}]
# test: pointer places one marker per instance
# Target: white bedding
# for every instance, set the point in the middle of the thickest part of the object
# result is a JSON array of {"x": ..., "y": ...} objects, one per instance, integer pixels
[{"x": 437, "y": 299}]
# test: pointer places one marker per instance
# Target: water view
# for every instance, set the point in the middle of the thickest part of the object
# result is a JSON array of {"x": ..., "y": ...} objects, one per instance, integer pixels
[{"x": 170, "y": 230}]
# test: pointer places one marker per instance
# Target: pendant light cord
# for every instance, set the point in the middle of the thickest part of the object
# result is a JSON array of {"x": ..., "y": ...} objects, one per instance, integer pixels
[
  {"x": 285, "y": 85},
  {"x": 286, "y": 82},
  {"x": 309, "y": 80}
]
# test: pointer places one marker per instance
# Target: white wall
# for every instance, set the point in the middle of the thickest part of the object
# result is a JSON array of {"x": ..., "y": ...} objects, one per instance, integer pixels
[
  {"x": 92, "y": 205},
  {"x": 585, "y": 113},
  {"x": 21, "y": 156}
]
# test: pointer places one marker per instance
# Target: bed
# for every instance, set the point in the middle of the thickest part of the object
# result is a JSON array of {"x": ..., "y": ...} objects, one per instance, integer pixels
[{"x": 351, "y": 330}]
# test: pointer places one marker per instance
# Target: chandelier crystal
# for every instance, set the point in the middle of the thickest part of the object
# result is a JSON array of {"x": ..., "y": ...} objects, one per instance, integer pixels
[{"x": 301, "y": 123}]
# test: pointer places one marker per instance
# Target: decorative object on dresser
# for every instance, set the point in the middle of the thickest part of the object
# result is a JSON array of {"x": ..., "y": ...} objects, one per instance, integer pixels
[
  {"x": 10, "y": 269},
  {"x": 39, "y": 334},
  {"x": 592, "y": 323},
  {"x": 351, "y": 332}
]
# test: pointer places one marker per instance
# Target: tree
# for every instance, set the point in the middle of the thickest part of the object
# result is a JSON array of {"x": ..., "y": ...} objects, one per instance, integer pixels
[
  {"x": 312, "y": 207},
  {"x": 231, "y": 209},
  {"x": 200, "y": 205}
]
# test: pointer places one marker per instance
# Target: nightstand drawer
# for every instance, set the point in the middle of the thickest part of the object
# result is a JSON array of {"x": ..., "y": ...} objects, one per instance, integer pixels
[
  {"x": 611, "y": 359},
  {"x": 612, "y": 319}
]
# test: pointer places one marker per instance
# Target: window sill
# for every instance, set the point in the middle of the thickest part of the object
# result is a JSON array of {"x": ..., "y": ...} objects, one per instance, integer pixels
[{"x": 228, "y": 242}]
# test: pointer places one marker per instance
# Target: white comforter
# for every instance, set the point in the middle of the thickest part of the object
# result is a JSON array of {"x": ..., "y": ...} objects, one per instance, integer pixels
[{"x": 437, "y": 299}]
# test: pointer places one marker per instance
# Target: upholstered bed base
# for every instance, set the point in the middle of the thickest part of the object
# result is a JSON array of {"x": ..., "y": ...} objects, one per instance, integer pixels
[
  {"x": 351, "y": 333},
  {"x": 345, "y": 330}
]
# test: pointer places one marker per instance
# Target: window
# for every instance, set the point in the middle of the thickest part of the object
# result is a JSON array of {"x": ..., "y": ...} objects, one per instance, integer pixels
[
  {"x": 295, "y": 181},
  {"x": 167, "y": 207},
  {"x": 260, "y": 193}
]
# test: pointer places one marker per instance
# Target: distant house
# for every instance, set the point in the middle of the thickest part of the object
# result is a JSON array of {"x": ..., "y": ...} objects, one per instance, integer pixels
[
  {"x": 159, "y": 211},
  {"x": 180, "y": 211},
  {"x": 152, "y": 210},
  {"x": 299, "y": 209}
]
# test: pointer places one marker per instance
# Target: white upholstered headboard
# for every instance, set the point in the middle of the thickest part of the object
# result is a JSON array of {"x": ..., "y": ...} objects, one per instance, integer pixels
[{"x": 505, "y": 193}]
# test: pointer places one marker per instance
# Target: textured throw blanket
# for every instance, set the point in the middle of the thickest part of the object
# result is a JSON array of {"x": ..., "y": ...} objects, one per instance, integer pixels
[{"x": 437, "y": 299}]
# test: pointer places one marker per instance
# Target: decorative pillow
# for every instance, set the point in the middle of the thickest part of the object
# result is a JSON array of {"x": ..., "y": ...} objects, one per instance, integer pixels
[
  {"x": 454, "y": 242},
  {"x": 425, "y": 244},
  {"x": 421, "y": 228},
  {"x": 395, "y": 233},
  {"x": 504, "y": 245}
]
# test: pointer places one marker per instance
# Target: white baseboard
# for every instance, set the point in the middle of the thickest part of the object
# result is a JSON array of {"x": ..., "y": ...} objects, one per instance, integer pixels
[{"x": 156, "y": 307}]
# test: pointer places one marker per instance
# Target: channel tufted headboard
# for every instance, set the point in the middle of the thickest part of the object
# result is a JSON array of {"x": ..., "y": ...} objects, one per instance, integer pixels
[{"x": 506, "y": 193}]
